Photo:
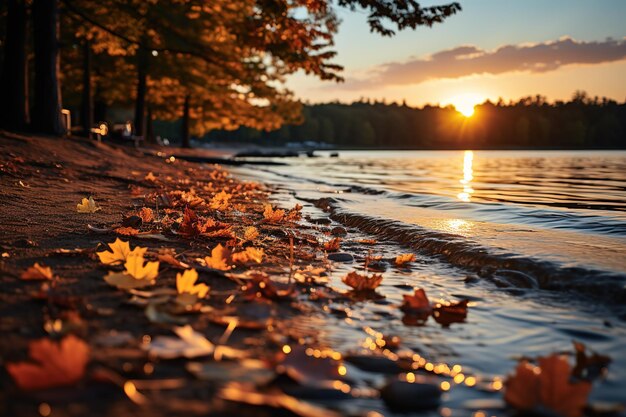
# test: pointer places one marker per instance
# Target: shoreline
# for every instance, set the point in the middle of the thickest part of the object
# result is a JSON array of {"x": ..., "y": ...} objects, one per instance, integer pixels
[{"x": 304, "y": 338}]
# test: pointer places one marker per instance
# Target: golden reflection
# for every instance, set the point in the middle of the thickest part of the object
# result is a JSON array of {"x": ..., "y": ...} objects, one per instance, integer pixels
[{"x": 468, "y": 176}]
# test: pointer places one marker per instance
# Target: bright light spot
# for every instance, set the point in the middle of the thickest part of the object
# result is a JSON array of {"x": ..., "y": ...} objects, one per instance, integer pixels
[
  {"x": 410, "y": 377},
  {"x": 445, "y": 386},
  {"x": 342, "y": 370},
  {"x": 45, "y": 409},
  {"x": 465, "y": 104},
  {"x": 155, "y": 53},
  {"x": 468, "y": 176},
  {"x": 470, "y": 381},
  {"x": 287, "y": 349}
]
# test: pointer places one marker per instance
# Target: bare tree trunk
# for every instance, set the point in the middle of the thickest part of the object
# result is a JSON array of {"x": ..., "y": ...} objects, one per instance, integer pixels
[
  {"x": 46, "y": 115},
  {"x": 142, "y": 89},
  {"x": 13, "y": 87},
  {"x": 186, "y": 141},
  {"x": 149, "y": 128},
  {"x": 86, "y": 107}
]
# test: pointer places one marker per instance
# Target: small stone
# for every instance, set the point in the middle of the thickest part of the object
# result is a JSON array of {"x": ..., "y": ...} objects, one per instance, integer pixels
[
  {"x": 132, "y": 221},
  {"x": 340, "y": 257},
  {"x": 374, "y": 363},
  {"x": 338, "y": 231},
  {"x": 407, "y": 396}
]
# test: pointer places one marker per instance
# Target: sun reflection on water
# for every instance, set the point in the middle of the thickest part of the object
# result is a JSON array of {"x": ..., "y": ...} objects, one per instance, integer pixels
[{"x": 468, "y": 176}]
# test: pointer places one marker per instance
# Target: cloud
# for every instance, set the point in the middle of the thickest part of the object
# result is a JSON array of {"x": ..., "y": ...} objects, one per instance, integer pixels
[{"x": 470, "y": 60}]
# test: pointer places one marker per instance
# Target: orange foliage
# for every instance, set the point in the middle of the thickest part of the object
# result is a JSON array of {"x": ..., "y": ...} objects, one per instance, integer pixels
[
  {"x": 273, "y": 216},
  {"x": 417, "y": 303},
  {"x": 547, "y": 385},
  {"x": 362, "y": 282},
  {"x": 404, "y": 258},
  {"x": 54, "y": 364},
  {"x": 37, "y": 272},
  {"x": 332, "y": 245}
]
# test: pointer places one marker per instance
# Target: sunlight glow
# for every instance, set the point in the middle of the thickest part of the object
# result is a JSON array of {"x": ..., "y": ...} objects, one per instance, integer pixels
[
  {"x": 465, "y": 104},
  {"x": 468, "y": 176}
]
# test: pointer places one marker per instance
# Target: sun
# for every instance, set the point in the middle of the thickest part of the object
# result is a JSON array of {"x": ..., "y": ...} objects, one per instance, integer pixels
[{"x": 465, "y": 104}]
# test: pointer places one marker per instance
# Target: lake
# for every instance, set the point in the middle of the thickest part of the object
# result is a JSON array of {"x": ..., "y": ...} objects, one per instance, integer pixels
[{"x": 536, "y": 240}]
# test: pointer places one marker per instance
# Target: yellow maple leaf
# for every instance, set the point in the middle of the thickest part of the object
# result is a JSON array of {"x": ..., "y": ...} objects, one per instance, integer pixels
[
  {"x": 135, "y": 268},
  {"x": 218, "y": 259},
  {"x": 250, "y": 254},
  {"x": 120, "y": 251},
  {"x": 37, "y": 272},
  {"x": 87, "y": 206},
  {"x": 186, "y": 283}
]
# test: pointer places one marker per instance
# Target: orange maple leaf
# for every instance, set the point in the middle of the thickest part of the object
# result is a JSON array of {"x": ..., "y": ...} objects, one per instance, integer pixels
[
  {"x": 54, "y": 364},
  {"x": 404, "y": 258},
  {"x": 548, "y": 385},
  {"x": 249, "y": 255},
  {"x": 273, "y": 216},
  {"x": 146, "y": 214},
  {"x": 417, "y": 303},
  {"x": 220, "y": 201},
  {"x": 362, "y": 282},
  {"x": 37, "y": 272},
  {"x": 332, "y": 245}
]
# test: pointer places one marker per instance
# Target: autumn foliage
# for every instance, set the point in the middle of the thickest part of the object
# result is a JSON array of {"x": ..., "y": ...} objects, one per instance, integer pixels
[{"x": 51, "y": 364}]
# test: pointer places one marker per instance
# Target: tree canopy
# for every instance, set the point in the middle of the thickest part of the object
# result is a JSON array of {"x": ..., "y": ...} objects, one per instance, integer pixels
[{"x": 218, "y": 64}]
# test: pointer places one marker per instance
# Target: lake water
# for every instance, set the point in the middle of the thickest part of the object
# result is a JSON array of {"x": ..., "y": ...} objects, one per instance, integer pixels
[{"x": 536, "y": 239}]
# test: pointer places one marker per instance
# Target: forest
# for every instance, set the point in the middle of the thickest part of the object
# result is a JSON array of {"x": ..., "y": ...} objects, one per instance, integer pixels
[{"x": 531, "y": 122}]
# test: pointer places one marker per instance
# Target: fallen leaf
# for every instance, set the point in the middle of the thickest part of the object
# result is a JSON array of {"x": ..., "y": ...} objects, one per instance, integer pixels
[
  {"x": 404, "y": 259},
  {"x": 249, "y": 255},
  {"x": 416, "y": 304},
  {"x": 220, "y": 201},
  {"x": 189, "y": 344},
  {"x": 219, "y": 258},
  {"x": 136, "y": 268},
  {"x": 168, "y": 256},
  {"x": 273, "y": 216},
  {"x": 557, "y": 392},
  {"x": 367, "y": 241},
  {"x": 332, "y": 245},
  {"x": 547, "y": 385},
  {"x": 37, "y": 272},
  {"x": 54, "y": 364},
  {"x": 362, "y": 282},
  {"x": 250, "y": 233},
  {"x": 146, "y": 214},
  {"x": 186, "y": 283},
  {"x": 260, "y": 285},
  {"x": 87, "y": 206},
  {"x": 126, "y": 231},
  {"x": 120, "y": 251}
]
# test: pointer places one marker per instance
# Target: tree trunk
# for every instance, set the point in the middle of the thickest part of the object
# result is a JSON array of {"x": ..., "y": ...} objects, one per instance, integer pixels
[
  {"x": 149, "y": 128},
  {"x": 13, "y": 87},
  {"x": 46, "y": 116},
  {"x": 186, "y": 142},
  {"x": 86, "y": 107},
  {"x": 142, "y": 89}
]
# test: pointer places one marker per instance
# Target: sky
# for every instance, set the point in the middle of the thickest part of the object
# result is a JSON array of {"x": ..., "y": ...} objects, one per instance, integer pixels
[{"x": 491, "y": 49}]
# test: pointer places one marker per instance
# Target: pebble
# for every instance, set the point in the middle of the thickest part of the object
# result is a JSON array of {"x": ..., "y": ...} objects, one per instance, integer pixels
[
  {"x": 340, "y": 257},
  {"x": 406, "y": 396},
  {"x": 338, "y": 231},
  {"x": 373, "y": 363}
]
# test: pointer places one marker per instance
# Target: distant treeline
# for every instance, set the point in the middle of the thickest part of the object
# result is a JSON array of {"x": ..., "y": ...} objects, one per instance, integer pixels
[{"x": 582, "y": 122}]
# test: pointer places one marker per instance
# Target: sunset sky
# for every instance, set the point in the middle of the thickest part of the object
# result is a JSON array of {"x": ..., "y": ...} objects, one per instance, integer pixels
[{"x": 493, "y": 48}]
